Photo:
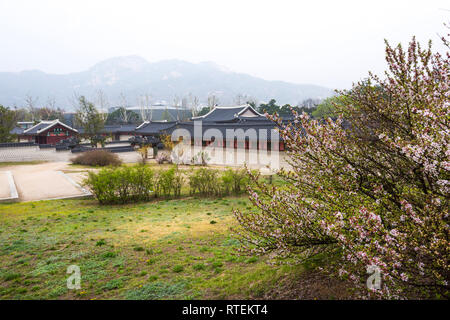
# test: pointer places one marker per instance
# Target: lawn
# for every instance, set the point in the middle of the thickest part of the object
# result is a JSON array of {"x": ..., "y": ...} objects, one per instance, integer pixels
[
  {"x": 18, "y": 163},
  {"x": 167, "y": 249}
]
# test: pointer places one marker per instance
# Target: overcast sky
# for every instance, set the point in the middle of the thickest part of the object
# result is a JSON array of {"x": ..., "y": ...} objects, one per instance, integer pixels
[{"x": 330, "y": 43}]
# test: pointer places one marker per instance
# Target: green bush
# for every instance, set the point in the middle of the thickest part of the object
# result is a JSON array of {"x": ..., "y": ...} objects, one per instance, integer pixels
[
  {"x": 164, "y": 183},
  {"x": 97, "y": 158},
  {"x": 234, "y": 181},
  {"x": 169, "y": 182},
  {"x": 122, "y": 184},
  {"x": 117, "y": 185},
  {"x": 210, "y": 182},
  {"x": 205, "y": 182},
  {"x": 178, "y": 181}
]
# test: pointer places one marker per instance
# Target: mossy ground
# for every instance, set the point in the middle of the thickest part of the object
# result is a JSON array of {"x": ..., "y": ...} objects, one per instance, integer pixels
[{"x": 166, "y": 249}]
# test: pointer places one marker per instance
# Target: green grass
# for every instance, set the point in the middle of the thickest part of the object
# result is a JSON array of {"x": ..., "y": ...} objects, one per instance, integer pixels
[
  {"x": 7, "y": 164},
  {"x": 180, "y": 255}
]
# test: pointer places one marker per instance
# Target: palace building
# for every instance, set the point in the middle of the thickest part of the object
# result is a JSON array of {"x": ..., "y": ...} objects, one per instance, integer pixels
[
  {"x": 227, "y": 127},
  {"x": 233, "y": 127},
  {"x": 46, "y": 132}
]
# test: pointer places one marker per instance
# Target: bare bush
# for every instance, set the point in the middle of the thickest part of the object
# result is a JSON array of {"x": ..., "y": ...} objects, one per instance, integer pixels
[{"x": 97, "y": 158}]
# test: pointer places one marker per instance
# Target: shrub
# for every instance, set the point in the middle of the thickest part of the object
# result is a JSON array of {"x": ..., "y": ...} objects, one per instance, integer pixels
[
  {"x": 234, "y": 181},
  {"x": 122, "y": 184},
  {"x": 227, "y": 181},
  {"x": 96, "y": 158},
  {"x": 204, "y": 181},
  {"x": 136, "y": 183},
  {"x": 168, "y": 182},
  {"x": 165, "y": 182},
  {"x": 178, "y": 181},
  {"x": 211, "y": 182},
  {"x": 117, "y": 185}
]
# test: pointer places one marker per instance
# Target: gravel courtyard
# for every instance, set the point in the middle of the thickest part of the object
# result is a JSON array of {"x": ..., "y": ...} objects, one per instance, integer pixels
[{"x": 43, "y": 181}]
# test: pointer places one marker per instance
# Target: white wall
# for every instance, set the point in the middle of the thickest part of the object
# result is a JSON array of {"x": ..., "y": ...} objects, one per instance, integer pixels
[
  {"x": 33, "y": 153},
  {"x": 233, "y": 157}
]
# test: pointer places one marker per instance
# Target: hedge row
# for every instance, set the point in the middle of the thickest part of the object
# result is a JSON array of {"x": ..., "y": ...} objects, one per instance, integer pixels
[{"x": 116, "y": 185}]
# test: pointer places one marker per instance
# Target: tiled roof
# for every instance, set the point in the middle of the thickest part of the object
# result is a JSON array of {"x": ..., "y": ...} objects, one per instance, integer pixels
[
  {"x": 261, "y": 128},
  {"x": 119, "y": 128},
  {"x": 16, "y": 130},
  {"x": 45, "y": 125},
  {"x": 154, "y": 127},
  {"x": 225, "y": 114},
  {"x": 37, "y": 127},
  {"x": 110, "y": 129}
]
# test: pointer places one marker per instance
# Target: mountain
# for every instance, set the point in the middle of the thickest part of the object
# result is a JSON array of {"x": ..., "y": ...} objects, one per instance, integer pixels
[{"x": 134, "y": 76}]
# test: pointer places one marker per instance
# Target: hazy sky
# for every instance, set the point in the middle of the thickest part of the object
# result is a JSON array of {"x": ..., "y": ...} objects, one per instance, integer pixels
[{"x": 330, "y": 43}]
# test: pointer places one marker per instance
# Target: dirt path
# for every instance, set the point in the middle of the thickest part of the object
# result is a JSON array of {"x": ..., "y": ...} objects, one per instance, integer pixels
[{"x": 45, "y": 181}]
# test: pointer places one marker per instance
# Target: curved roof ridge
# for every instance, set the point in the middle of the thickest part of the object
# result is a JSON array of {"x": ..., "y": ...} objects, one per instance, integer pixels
[
  {"x": 242, "y": 107},
  {"x": 49, "y": 123}
]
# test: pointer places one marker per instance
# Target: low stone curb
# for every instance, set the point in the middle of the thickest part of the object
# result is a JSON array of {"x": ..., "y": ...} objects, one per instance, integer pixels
[
  {"x": 14, "y": 196},
  {"x": 76, "y": 185}
]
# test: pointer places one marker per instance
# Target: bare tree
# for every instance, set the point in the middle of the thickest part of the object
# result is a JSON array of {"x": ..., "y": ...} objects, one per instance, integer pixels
[
  {"x": 195, "y": 102},
  {"x": 176, "y": 104},
  {"x": 51, "y": 103},
  {"x": 184, "y": 103},
  {"x": 252, "y": 101},
  {"x": 184, "y": 108},
  {"x": 31, "y": 102},
  {"x": 53, "y": 108},
  {"x": 74, "y": 100},
  {"x": 148, "y": 104},
  {"x": 141, "y": 104},
  {"x": 144, "y": 102},
  {"x": 49, "y": 109},
  {"x": 213, "y": 101},
  {"x": 101, "y": 100},
  {"x": 123, "y": 108},
  {"x": 239, "y": 99}
]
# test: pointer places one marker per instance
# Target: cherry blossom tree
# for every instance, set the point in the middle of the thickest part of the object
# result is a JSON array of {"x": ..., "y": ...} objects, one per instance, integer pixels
[{"x": 371, "y": 187}]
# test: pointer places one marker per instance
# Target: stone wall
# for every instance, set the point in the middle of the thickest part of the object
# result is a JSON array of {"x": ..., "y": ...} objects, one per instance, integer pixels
[
  {"x": 34, "y": 153},
  {"x": 257, "y": 159}
]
